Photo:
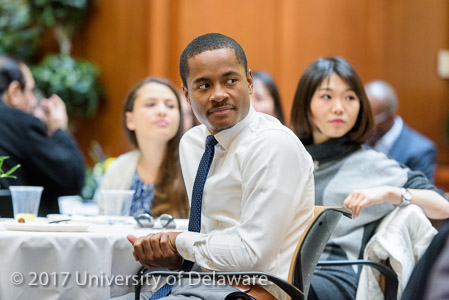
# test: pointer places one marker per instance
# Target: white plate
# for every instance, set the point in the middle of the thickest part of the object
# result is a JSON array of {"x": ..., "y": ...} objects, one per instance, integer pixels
[
  {"x": 181, "y": 224},
  {"x": 38, "y": 226},
  {"x": 100, "y": 219}
]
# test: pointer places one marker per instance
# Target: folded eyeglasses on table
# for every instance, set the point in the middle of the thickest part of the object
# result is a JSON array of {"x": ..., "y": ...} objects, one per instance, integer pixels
[{"x": 147, "y": 221}]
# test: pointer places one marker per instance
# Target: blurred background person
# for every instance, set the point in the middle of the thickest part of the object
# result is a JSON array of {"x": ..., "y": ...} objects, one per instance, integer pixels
[
  {"x": 47, "y": 152},
  {"x": 187, "y": 113},
  {"x": 38, "y": 110},
  {"x": 393, "y": 137},
  {"x": 152, "y": 120},
  {"x": 332, "y": 117},
  {"x": 265, "y": 97}
]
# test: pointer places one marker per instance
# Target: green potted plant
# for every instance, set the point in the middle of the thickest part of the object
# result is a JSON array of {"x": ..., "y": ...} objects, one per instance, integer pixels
[
  {"x": 5, "y": 209},
  {"x": 7, "y": 174},
  {"x": 19, "y": 33},
  {"x": 64, "y": 17},
  {"x": 74, "y": 80}
]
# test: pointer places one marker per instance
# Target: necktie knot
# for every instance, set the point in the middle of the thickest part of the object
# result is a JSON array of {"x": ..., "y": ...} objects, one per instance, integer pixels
[{"x": 211, "y": 141}]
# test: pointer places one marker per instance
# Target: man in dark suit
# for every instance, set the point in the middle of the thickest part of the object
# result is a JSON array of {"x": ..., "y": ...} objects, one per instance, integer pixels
[
  {"x": 48, "y": 154},
  {"x": 431, "y": 274},
  {"x": 393, "y": 137}
]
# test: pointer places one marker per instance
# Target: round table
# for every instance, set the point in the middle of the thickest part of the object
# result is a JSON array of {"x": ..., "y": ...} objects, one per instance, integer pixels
[{"x": 95, "y": 264}]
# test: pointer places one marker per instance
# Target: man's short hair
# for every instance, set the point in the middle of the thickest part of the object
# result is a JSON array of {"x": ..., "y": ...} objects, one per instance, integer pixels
[
  {"x": 207, "y": 42},
  {"x": 383, "y": 90},
  {"x": 10, "y": 71}
]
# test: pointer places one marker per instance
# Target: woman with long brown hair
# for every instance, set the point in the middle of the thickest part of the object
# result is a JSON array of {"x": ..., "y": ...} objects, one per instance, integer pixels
[{"x": 152, "y": 121}]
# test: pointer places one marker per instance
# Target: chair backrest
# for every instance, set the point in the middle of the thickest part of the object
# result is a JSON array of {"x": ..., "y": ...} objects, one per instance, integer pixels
[
  {"x": 5, "y": 204},
  {"x": 312, "y": 243}
]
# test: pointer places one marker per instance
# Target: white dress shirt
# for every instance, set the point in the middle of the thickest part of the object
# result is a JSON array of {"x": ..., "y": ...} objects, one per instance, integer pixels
[{"x": 257, "y": 200}]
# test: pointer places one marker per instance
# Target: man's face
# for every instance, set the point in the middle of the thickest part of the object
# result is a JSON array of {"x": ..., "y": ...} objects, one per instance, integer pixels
[
  {"x": 25, "y": 100},
  {"x": 218, "y": 89},
  {"x": 383, "y": 117}
]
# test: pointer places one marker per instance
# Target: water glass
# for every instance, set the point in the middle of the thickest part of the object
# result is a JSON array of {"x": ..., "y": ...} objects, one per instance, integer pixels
[
  {"x": 116, "y": 202},
  {"x": 25, "y": 201}
]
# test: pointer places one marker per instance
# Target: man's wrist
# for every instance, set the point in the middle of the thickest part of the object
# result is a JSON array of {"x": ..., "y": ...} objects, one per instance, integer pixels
[{"x": 179, "y": 263}]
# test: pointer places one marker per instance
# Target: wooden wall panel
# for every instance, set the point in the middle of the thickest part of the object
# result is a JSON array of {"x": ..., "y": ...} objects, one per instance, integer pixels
[
  {"x": 313, "y": 29},
  {"x": 416, "y": 30},
  {"x": 115, "y": 38},
  {"x": 252, "y": 23},
  {"x": 396, "y": 40}
]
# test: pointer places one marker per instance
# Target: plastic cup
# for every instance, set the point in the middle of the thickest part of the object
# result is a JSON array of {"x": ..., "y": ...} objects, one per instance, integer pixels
[
  {"x": 69, "y": 204},
  {"x": 25, "y": 201},
  {"x": 116, "y": 202}
]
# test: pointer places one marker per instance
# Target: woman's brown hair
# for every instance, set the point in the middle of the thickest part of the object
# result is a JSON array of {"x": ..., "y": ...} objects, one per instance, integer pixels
[
  {"x": 301, "y": 117},
  {"x": 169, "y": 191}
]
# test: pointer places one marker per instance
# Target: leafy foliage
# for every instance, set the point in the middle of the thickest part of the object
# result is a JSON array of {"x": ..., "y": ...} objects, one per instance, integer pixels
[
  {"x": 66, "y": 12},
  {"x": 75, "y": 81},
  {"x": 64, "y": 16},
  {"x": 19, "y": 33},
  {"x": 95, "y": 174},
  {"x": 7, "y": 174}
]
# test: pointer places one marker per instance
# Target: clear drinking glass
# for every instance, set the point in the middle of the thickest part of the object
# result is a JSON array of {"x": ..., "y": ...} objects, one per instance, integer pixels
[
  {"x": 25, "y": 201},
  {"x": 116, "y": 202}
]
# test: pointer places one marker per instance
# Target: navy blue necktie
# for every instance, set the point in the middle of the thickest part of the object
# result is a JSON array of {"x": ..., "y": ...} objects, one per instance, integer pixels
[{"x": 195, "y": 206}]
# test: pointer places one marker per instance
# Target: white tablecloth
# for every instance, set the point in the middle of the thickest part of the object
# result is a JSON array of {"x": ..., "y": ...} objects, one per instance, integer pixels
[{"x": 96, "y": 264}]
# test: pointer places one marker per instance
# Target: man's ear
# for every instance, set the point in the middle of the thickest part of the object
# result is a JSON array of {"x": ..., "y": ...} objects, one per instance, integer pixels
[
  {"x": 129, "y": 121},
  {"x": 249, "y": 78},
  {"x": 186, "y": 93},
  {"x": 12, "y": 94}
]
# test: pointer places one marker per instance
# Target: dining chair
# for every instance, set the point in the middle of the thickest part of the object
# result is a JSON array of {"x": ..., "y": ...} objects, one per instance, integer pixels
[
  {"x": 307, "y": 253},
  {"x": 388, "y": 279}
]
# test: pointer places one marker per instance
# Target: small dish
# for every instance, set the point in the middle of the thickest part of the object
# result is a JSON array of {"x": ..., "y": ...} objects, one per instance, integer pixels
[{"x": 39, "y": 226}]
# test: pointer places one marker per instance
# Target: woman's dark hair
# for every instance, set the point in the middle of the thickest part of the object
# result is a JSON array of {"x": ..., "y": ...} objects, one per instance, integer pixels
[
  {"x": 269, "y": 83},
  {"x": 170, "y": 195},
  {"x": 301, "y": 117}
]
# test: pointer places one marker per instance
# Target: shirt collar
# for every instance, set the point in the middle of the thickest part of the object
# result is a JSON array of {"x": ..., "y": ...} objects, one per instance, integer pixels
[{"x": 225, "y": 137}]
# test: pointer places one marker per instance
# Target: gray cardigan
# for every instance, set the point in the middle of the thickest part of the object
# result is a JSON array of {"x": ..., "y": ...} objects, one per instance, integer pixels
[{"x": 360, "y": 169}]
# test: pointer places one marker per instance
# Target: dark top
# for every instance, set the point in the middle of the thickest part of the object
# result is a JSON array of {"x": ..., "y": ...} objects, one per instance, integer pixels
[
  {"x": 419, "y": 279},
  {"x": 415, "y": 151},
  {"x": 55, "y": 162}
]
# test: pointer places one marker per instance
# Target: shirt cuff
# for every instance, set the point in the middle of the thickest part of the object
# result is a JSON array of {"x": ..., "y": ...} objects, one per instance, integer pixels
[{"x": 184, "y": 244}]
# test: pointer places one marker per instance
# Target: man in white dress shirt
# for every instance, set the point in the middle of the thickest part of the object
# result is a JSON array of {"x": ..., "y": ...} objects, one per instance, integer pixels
[{"x": 259, "y": 194}]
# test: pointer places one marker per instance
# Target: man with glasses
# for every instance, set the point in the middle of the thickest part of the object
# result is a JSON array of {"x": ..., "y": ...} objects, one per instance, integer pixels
[
  {"x": 47, "y": 153},
  {"x": 393, "y": 137}
]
